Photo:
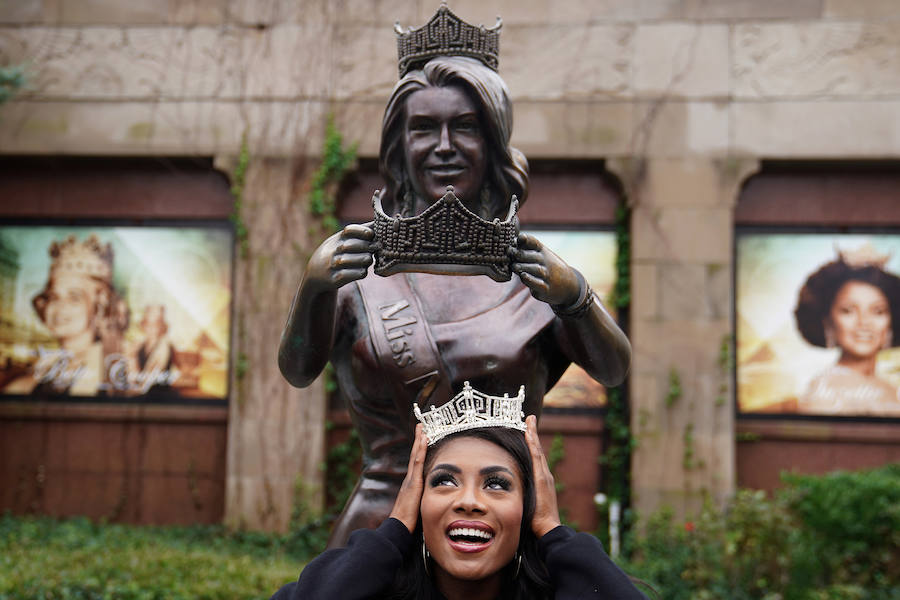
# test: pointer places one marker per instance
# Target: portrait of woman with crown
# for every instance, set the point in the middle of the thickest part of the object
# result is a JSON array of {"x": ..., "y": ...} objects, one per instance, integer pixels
[
  {"x": 84, "y": 313},
  {"x": 852, "y": 304},
  {"x": 814, "y": 338},
  {"x": 414, "y": 334}
]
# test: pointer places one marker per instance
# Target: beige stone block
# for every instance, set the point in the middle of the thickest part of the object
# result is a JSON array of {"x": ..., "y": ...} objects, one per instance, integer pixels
[
  {"x": 572, "y": 129},
  {"x": 817, "y": 129},
  {"x": 576, "y": 11},
  {"x": 683, "y": 291},
  {"x": 198, "y": 12},
  {"x": 360, "y": 125},
  {"x": 817, "y": 59},
  {"x": 676, "y": 129},
  {"x": 177, "y": 128},
  {"x": 285, "y": 61},
  {"x": 479, "y": 12},
  {"x": 365, "y": 62},
  {"x": 380, "y": 13},
  {"x": 861, "y": 9},
  {"x": 644, "y": 290},
  {"x": 110, "y": 63},
  {"x": 681, "y": 234},
  {"x": 275, "y": 12},
  {"x": 691, "y": 181},
  {"x": 534, "y": 12},
  {"x": 681, "y": 60},
  {"x": 21, "y": 11},
  {"x": 690, "y": 346},
  {"x": 565, "y": 61},
  {"x": 110, "y": 12},
  {"x": 732, "y": 10}
]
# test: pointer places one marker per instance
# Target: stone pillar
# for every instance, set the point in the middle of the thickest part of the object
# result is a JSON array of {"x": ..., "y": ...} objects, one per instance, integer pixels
[
  {"x": 681, "y": 277},
  {"x": 275, "y": 432}
]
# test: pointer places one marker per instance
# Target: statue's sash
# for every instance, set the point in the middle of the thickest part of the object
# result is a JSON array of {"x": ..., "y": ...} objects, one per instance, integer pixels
[{"x": 403, "y": 342}]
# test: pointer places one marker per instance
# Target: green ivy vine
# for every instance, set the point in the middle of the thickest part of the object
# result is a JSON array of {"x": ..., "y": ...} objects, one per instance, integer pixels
[
  {"x": 238, "y": 178},
  {"x": 12, "y": 79},
  {"x": 336, "y": 161},
  {"x": 619, "y": 441}
]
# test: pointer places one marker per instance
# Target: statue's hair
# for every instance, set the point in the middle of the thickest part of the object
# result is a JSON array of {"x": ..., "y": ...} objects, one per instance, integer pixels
[{"x": 507, "y": 171}]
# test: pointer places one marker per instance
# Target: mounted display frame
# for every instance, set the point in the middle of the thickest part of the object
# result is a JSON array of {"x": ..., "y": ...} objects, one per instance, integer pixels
[
  {"x": 817, "y": 320},
  {"x": 114, "y": 312}
]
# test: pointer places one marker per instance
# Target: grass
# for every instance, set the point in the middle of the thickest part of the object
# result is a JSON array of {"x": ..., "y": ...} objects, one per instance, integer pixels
[{"x": 41, "y": 558}]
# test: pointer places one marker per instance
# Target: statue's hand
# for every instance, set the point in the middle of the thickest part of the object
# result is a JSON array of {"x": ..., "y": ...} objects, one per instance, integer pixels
[
  {"x": 342, "y": 258},
  {"x": 548, "y": 276}
]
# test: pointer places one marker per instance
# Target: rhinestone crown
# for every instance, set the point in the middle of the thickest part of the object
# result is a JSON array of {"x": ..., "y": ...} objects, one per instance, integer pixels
[{"x": 471, "y": 409}]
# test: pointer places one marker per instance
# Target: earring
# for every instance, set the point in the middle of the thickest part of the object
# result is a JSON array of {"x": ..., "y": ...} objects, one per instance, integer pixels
[
  {"x": 829, "y": 336},
  {"x": 518, "y": 564},
  {"x": 425, "y": 556}
]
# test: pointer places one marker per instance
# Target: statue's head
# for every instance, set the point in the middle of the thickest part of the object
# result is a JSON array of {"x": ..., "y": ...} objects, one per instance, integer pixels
[{"x": 449, "y": 123}]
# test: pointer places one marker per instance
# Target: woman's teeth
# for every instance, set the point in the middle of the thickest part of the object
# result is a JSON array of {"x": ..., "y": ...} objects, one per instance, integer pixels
[{"x": 469, "y": 534}]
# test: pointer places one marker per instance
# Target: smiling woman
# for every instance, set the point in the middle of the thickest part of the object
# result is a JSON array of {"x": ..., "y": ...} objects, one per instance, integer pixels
[
  {"x": 851, "y": 304},
  {"x": 476, "y": 518}
]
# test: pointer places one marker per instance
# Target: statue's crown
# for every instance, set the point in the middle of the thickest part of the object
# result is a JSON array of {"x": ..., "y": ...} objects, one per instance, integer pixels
[
  {"x": 445, "y": 238},
  {"x": 447, "y": 35},
  {"x": 89, "y": 258},
  {"x": 471, "y": 409}
]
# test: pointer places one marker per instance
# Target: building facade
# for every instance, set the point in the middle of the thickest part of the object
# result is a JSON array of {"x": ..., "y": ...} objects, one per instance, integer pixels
[{"x": 682, "y": 102}]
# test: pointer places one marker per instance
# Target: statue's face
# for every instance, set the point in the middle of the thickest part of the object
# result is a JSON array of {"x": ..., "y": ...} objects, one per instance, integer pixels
[{"x": 444, "y": 144}]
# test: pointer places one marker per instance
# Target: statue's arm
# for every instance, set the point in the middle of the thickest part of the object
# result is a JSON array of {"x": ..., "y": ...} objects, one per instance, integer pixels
[
  {"x": 593, "y": 339},
  {"x": 308, "y": 335},
  {"x": 584, "y": 328}
]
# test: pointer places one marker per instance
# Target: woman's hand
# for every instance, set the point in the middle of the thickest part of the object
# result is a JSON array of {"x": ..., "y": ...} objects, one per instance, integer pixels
[
  {"x": 406, "y": 506},
  {"x": 548, "y": 276},
  {"x": 342, "y": 258},
  {"x": 546, "y": 510}
]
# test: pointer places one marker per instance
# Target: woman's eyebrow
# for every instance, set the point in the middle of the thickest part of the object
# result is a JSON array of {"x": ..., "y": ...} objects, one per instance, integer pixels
[
  {"x": 494, "y": 469},
  {"x": 446, "y": 467}
]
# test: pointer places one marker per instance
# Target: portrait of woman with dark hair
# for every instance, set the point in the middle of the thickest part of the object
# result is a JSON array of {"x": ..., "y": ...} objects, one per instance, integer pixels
[{"x": 851, "y": 304}]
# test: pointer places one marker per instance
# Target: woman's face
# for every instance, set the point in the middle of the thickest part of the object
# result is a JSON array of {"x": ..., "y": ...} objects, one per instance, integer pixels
[
  {"x": 69, "y": 309},
  {"x": 444, "y": 144},
  {"x": 861, "y": 317},
  {"x": 472, "y": 509}
]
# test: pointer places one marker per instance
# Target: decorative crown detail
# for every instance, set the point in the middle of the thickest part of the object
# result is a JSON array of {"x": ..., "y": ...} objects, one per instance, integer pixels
[
  {"x": 864, "y": 256},
  {"x": 447, "y": 35},
  {"x": 471, "y": 409},
  {"x": 89, "y": 258},
  {"x": 445, "y": 238}
]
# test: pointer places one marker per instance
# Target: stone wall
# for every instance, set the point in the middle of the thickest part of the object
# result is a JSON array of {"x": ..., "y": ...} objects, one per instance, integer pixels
[{"x": 683, "y": 98}]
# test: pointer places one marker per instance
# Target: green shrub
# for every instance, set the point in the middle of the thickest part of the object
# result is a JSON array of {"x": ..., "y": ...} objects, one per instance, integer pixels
[
  {"x": 832, "y": 537},
  {"x": 78, "y": 560},
  {"x": 850, "y": 527}
]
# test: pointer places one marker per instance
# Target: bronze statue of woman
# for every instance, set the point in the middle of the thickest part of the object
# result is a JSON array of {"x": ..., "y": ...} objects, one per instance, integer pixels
[{"x": 415, "y": 336}]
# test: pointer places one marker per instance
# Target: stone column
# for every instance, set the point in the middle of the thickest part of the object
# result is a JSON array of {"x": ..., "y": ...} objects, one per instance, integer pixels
[
  {"x": 275, "y": 432},
  {"x": 682, "y": 406}
]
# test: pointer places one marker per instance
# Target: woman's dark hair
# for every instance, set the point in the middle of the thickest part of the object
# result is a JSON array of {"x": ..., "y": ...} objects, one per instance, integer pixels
[
  {"x": 507, "y": 172},
  {"x": 532, "y": 581},
  {"x": 819, "y": 291}
]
